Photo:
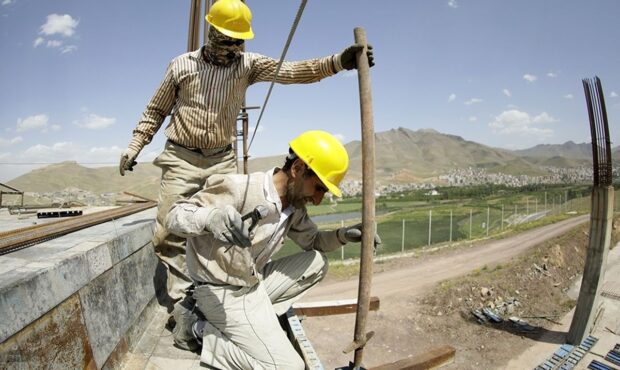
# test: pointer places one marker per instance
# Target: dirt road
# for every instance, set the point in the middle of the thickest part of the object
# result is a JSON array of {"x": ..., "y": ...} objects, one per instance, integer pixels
[
  {"x": 400, "y": 329},
  {"x": 427, "y": 273}
]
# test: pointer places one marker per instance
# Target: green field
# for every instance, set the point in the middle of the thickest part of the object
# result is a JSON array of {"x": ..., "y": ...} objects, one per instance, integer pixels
[{"x": 452, "y": 219}]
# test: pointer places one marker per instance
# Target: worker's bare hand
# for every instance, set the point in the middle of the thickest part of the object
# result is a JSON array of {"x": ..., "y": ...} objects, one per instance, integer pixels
[
  {"x": 128, "y": 160},
  {"x": 348, "y": 57},
  {"x": 227, "y": 226}
]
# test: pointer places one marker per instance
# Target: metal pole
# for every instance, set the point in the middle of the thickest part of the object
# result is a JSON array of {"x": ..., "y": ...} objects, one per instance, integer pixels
[
  {"x": 502, "y": 225},
  {"x": 488, "y": 213},
  {"x": 450, "y": 226},
  {"x": 205, "y": 28},
  {"x": 245, "y": 122},
  {"x": 341, "y": 248},
  {"x": 402, "y": 244},
  {"x": 470, "y": 220},
  {"x": 430, "y": 223},
  {"x": 193, "y": 34},
  {"x": 527, "y": 206},
  {"x": 368, "y": 194}
]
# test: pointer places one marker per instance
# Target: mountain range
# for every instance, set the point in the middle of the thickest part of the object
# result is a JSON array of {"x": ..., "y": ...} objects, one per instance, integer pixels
[{"x": 401, "y": 156}]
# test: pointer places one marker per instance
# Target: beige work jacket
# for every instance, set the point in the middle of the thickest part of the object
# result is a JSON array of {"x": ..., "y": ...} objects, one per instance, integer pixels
[{"x": 212, "y": 261}]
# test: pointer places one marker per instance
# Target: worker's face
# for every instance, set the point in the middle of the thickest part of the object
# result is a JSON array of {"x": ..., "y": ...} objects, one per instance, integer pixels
[
  {"x": 222, "y": 50},
  {"x": 305, "y": 187}
]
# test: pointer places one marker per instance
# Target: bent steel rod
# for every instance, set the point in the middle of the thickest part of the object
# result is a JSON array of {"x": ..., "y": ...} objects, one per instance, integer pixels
[{"x": 368, "y": 195}]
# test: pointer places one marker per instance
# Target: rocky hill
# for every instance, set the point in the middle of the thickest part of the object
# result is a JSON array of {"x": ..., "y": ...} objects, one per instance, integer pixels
[{"x": 402, "y": 156}]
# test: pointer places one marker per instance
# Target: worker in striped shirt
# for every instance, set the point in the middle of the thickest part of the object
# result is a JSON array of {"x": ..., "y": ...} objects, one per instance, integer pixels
[{"x": 203, "y": 92}]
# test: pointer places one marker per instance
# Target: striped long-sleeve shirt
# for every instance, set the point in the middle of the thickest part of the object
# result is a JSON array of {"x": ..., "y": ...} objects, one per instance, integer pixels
[{"x": 204, "y": 99}]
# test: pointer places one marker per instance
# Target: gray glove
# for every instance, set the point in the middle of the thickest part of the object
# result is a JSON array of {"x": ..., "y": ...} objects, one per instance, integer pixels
[
  {"x": 353, "y": 234},
  {"x": 128, "y": 160},
  {"x": 227, "y": 226},
  {"x": 348, "y": 57}
]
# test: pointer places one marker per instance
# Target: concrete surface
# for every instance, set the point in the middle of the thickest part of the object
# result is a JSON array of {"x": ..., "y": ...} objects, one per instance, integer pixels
[{"x": 78, "y": 301}]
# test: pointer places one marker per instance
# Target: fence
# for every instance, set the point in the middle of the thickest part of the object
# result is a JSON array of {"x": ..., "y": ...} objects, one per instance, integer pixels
[{"x": 406, "y": 230}]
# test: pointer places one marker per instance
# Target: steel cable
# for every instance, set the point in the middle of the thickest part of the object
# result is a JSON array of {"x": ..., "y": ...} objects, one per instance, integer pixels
[{"x": 275, "y": 76}]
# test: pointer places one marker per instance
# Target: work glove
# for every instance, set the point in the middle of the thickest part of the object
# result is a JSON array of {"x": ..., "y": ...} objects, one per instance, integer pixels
[
  {"x": 128, "y": 160},
  {"x": 227, "y": 226},
  {"x": 353, "y": 234},
  {"x": 348, "y": 57}
]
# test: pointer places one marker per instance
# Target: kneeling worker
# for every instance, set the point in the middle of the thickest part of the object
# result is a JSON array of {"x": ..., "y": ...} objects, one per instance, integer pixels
[{"x": 239, "y": 289}]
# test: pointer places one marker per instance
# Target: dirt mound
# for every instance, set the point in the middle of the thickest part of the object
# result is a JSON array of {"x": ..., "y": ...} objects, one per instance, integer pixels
[{"x": 532, "y": 288}]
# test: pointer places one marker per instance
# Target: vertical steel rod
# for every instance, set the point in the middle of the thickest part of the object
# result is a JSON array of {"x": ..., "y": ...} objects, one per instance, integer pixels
[
  {"x": 193, "y": 34},
  {"x": 368, "y": 195}
]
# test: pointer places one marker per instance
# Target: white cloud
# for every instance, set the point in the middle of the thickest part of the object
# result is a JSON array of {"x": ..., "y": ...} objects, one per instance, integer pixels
[
  {"x": 63, "y": 25},
  {"x": 568, "y": 96},
  {"x": 53, "y": 43},
  {"x": 521, "y": 123},
  {"x": 68, "y": 49},
  {"x": 7, "y": 142},
  {"x": 55, "y": 127},
  {"x": 453, "y": 4},
  {"x": 507, "y": 92},
  {"x": 38, "y": 121},
  {"x": 59, "y": 26},
  {"x": 473, "y": 101},
  {"x": 451, "y": 98},
  {"x": 529, "y": 77},
  {"x": 544, "y": 117},
  {"x": 472, "y": 119},
  {"x": 7, "y": 2},
  {"x": 552, "y": 75},
  {"x": 613, "y": 94},
  {"x": 95, "y": 122},
  {"x": 69, "y": 151}
]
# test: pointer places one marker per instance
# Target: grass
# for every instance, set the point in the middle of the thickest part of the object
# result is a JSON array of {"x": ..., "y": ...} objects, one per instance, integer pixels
[{"x": 452, "y": 221}]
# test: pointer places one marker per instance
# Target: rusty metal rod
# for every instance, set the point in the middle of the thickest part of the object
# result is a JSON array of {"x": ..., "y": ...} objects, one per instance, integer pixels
[{"x": 368, "y": 195}]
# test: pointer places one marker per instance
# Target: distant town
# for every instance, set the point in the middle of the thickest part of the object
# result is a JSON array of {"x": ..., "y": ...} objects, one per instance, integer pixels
[
  {"x": 457, "y": 177},
  {"x": 477, "y": 176}
]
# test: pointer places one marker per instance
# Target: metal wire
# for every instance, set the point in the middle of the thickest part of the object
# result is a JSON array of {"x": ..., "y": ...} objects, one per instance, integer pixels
[{"x": 275, "y": 76}]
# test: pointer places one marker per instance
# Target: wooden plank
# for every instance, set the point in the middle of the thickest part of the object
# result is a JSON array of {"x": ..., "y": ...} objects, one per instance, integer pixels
[
  {"x": 332, "y": 307},
  {"x": 432, "y": 359}
]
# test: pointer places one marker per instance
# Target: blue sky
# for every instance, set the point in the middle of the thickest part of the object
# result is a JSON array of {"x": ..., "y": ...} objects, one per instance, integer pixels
[{"x": 76, "y": 74}]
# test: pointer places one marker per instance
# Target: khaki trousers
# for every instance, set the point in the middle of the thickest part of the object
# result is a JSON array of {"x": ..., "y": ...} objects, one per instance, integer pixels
[
  {"x": 183, "y": 174},
  {"x": 242, "y": 330}
]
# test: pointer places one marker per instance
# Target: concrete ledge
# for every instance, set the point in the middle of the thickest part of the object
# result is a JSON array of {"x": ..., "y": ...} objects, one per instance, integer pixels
[{"x": 103, "y": 275}]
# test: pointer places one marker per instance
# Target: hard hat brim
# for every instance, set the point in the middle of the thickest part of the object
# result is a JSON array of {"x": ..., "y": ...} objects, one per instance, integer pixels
[
  {"x": 331, "y": 187},
  {"x": 248, "y": 35}
]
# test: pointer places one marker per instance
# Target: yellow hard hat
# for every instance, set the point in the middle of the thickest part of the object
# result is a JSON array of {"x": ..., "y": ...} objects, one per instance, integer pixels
[
  {"x": 325, "y": 155},
  {"x": 232, "y": 18}
]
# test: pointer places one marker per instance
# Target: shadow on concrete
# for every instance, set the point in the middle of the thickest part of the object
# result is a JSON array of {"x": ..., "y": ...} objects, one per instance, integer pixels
[
  {"x": 160, "y": 282},
  {"x": 535, "y": 333}
]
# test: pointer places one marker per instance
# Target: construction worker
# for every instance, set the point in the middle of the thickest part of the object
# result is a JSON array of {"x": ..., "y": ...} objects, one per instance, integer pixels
[
  {"x": 203, "y": 92},
  {"x": 239, "y": 289}
]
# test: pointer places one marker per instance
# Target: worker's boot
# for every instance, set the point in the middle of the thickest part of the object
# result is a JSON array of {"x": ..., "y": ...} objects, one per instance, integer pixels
[{"x": 185, "y": 315}]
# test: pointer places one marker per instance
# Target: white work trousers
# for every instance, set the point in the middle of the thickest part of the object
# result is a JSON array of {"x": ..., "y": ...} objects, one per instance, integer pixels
[
  {"x": 242, "y": 330},
  {"x": 183, "y": 174}
]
